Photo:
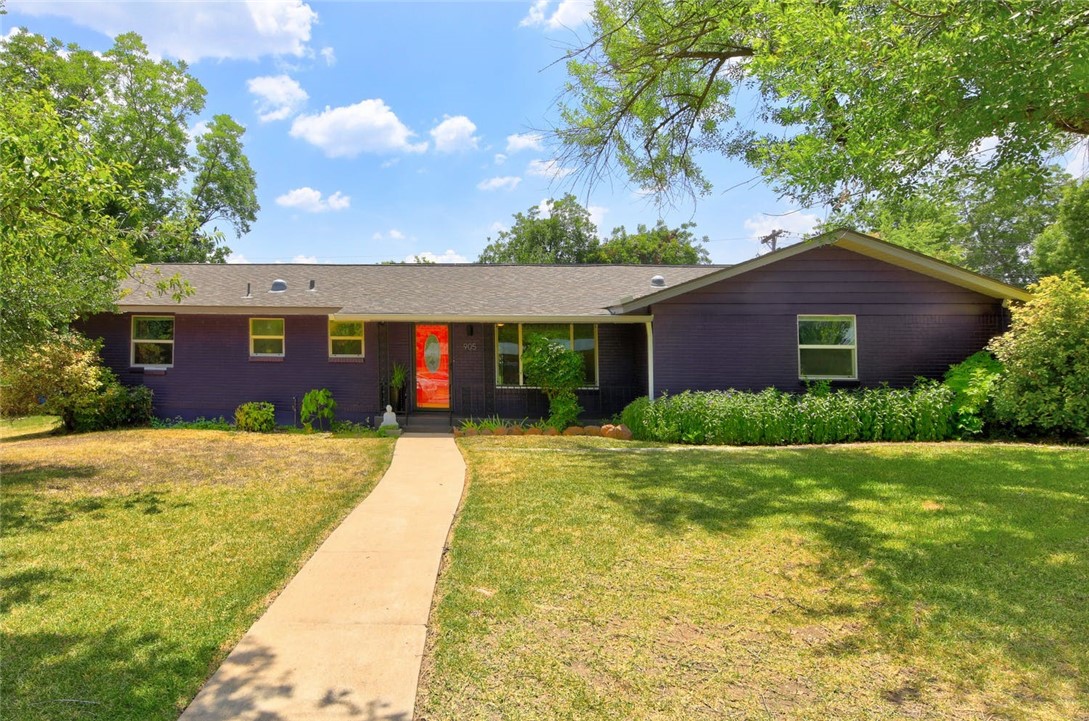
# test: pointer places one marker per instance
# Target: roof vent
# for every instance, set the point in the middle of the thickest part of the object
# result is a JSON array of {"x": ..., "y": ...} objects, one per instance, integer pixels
[
  {"x": 248, "y": 294},
  {"x": 278, "y": 286},
  {"x": 313, "y": 284},
  {"x": 658, "y": 281}
]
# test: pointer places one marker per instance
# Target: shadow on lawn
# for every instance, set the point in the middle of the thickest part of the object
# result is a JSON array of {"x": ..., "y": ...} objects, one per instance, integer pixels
[
  {"x": 115, "y": 675},
  {"x": 988, "y": 545}
]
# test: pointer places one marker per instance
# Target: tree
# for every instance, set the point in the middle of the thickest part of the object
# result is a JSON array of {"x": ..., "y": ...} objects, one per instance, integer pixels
[
  {"x": 135, "y": 112},
  {"x": 1064, "y": 245},
  {"x": 560, "y": 233},
  {"x": 852, "y": 97},
  {"x": 660, "y": 245},
  {"x": 60, "y": 254},
  {"x": 990, "y": 228}
]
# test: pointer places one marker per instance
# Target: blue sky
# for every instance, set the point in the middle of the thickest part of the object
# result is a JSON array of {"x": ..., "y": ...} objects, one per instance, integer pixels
[{"x": 385, "y": 130}]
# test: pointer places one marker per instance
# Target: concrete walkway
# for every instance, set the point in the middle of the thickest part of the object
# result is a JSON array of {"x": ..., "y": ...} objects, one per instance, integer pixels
[{"x": 345, "y": 638}]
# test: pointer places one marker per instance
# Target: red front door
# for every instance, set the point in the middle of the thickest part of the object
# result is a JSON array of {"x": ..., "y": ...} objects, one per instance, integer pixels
[{"x": 433, "y": 366}]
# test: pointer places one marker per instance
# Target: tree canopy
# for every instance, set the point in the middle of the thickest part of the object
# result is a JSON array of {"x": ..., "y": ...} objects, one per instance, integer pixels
[
  {"x": 852, "y": 98},
  {"x": 97, "y": 172},
  {"x": 560, "y": 231},
  {"x": 134, "y": 112},
  {"x": 1064, "y": 245},
  {"x": 991, "y": 228}
]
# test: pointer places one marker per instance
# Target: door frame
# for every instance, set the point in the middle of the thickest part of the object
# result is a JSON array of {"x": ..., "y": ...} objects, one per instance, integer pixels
[{"x": 449, "y": 370}]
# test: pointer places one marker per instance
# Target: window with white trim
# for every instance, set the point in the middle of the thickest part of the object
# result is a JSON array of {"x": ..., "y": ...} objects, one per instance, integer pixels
[
  {"x": 152, "y": 341},
  {"x": 345, "y": 338},
  {"x": 510, "y": 342},
  {"x": 827, "y": 347},
  {"x": 266, "y": 336}
]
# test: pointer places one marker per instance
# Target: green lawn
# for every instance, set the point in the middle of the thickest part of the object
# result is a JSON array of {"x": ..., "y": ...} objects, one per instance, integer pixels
[
  {"x": 28, "y": 426},
  {"x": 588, "y": 579},
  {"x": 134, "y": 560}
]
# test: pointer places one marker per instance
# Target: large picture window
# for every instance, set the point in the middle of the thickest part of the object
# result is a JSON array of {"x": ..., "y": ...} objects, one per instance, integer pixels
[
  {"x": 827, "y": 347},
  {"x": 345, "y": 339},
  {"x": 152, "y": 340},
  {"x": 510, "y": 342},
  {"x": 266, "y": 336}
]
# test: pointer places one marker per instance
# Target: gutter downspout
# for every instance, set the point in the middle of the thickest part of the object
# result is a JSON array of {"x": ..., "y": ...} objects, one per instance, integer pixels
[{"x": 650, "y": 359}]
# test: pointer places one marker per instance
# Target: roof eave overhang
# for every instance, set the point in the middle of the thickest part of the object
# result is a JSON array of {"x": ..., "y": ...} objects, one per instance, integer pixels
[
  {"x": 490, "y": 318},
  {"x": 179, "y": 309}
]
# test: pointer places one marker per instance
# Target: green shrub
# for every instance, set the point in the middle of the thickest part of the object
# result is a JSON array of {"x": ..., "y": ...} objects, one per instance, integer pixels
[
  {"x": 771, "y": 417},
  {"x": 558, "y": 372},
  {"x": 634, "y": 415},
  {"x": 258, "y": 417},
  {"x": 1045, "y": 385},
  {"x": 199, "y": 424},
  {"x": 973, "y": 382},
  {"x": 318, "y": 405},
  {"x": 115, "y": 406},
  {"x": 65, "y": 377},
  {"x": 54, "y": 377}
]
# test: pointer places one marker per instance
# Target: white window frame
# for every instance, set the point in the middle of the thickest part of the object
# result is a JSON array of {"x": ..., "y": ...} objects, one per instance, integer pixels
[
  {"x": 571, "y": 338},
  {"x": 282, "y": 338},
  {"x": 133, "y": 341},
  {"x": 360, "y": 338},
  {"x": 852, "y": 347}
]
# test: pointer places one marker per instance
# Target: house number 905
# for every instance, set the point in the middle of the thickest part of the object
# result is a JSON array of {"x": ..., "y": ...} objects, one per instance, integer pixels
[{"x": 469, "y": 345}]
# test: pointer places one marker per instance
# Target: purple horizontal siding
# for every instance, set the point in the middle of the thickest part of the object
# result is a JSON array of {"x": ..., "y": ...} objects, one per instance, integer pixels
[
  {"x": 213, "y": 372},
  {"x": 742, "y": 332}
]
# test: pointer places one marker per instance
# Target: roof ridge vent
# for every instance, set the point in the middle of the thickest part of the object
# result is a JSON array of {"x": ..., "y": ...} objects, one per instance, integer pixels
[
  {"x": 658, "y": 281},
  {"x": 278, "y": 286}
]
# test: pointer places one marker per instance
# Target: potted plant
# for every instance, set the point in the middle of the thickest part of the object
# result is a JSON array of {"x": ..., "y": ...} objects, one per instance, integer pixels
[{"x": 397, "y": 380}]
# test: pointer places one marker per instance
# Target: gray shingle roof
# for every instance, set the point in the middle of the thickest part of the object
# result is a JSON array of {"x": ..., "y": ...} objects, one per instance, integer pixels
[{"x": 442, "y": 291}]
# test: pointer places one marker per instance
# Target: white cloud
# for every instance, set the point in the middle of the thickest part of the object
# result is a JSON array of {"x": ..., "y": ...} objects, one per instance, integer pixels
[
  {"x": 454, "y": 134},
  {"x": 507, "y": 182},
  {"x": 194, "y": 30},
  {"x": 309, "y": 200},
  {"x": 278, "y": 96},
  {"x": 548, "y": 169},
  {"x": 568, "y": 14},
  {"x": 10, "y": 34},
  {"x": 597, "y": 214},
  {"x": 329, "y": 56},
  {"x": 427, "y": 256},
  {"x": 500, "y": 158},
  {"x": 236, "y": 258},
  {"x": 391, "y": 234},
  {"x": 498, "y": 227},
  {"x": 797, "y": 225},
  {"x": 304, "y": 259},
  {"x": 369, "y": 126},
  {"x": 524, "y": 141}
]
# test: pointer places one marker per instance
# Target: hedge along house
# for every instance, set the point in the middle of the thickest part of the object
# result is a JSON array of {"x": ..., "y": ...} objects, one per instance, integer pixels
[{"x": 843, "y": 307}]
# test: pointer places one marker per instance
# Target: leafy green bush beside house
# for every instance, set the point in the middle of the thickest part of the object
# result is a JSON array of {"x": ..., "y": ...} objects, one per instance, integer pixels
[
  {"x": 1044, "y": 388},
  {"x": 558, "y": 371},
  {"x": 257, "y": 417},
  {"x": 771, "y": 417},
  {"x": 65, "y": 377}
]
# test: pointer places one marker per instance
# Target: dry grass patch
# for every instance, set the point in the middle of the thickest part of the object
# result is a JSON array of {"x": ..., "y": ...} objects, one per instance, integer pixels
[
  {"x": 134, "y": 560},
  {"x": 592, "y": 580}
]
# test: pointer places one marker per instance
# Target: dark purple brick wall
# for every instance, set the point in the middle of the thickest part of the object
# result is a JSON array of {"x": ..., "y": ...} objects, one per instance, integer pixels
[
  {"x": 213, "y": 373},
  {"x": 742, "y": 332}
]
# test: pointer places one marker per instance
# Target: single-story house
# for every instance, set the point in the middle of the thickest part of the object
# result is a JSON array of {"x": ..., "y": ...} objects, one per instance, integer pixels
[{"x": 844, "y": 307}]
